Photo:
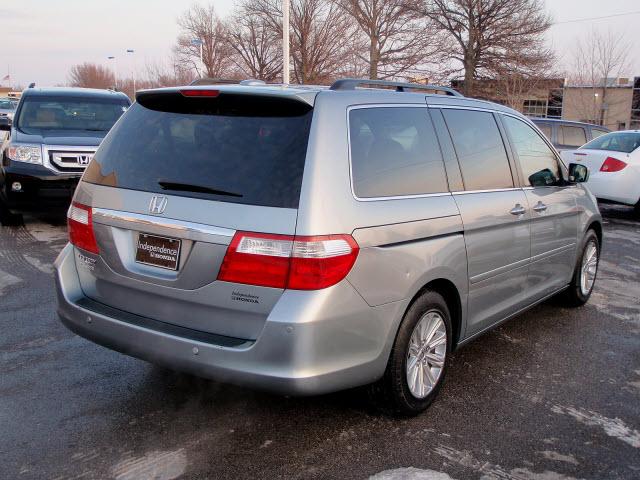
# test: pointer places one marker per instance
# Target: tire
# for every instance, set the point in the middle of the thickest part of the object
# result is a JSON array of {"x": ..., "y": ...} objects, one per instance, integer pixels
[
  {"x": 578, "y": 294},
  {"x": 8, "y": 219},
  {"x": 636, "y": 210},
  {"x": 393, "y": 393}
]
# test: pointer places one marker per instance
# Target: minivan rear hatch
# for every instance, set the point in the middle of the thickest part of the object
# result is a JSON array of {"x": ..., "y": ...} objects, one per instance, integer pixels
[{"x": 175, "y": 179}]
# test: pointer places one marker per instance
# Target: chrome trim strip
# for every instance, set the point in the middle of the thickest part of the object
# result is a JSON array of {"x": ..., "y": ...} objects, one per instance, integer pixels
[
  {"x": 551, "y": 253},
  {"x": 505, "y": 268},
  {"x": 401, "y": 197},
  {"x": 521, "y": 263},
  {"x": 163, "y": 226},
  {"x": 491, "y": 190},
  {"x": 46, "y": 161}
]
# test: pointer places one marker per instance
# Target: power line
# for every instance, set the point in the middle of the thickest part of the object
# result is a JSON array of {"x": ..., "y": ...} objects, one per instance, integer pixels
[{"x": 597, "y": 18}]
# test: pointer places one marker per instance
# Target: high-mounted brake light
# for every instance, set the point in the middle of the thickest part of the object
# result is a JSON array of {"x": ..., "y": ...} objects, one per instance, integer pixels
[
  {"x": 285, "y": 261},
  {"x": 200, "y": 93},
  {"x": 80, "y": 224},
  {"x": 612, "y": 165}
]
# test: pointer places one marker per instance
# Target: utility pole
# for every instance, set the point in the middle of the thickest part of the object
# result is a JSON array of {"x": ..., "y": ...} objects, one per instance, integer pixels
[
  {"x": 115, "y": 70},
  {"x": 199, "y": 42},
  {"x": 285, "y": 41},
  {"x": 132, "y": 51}
]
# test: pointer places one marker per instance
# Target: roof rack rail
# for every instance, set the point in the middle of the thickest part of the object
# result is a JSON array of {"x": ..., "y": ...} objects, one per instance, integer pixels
[{"x": 352, "y": 83}]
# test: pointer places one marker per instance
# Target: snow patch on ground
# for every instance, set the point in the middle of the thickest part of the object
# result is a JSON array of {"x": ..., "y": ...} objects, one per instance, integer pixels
[
  {"x": 153, "y": 465},
  {"x": 410, "y": 473},
  {"x": 44, "y": 232},
  {"x": 614, "y": 427},
  {"x": 495, "y": 472},
  {"x": 558, "y": 457},
  {"x": 43, "y": 267}
]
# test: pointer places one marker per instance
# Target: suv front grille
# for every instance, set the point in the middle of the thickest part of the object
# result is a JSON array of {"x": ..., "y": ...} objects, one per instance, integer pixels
[{"x": 70, "y": 161}]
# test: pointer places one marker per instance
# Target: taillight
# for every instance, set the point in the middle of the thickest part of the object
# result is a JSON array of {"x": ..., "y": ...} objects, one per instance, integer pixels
[
  {"x": 200, "y": 93},
  {"x": 285, "y": 261},
  {"x": 81, "y": 227},
  {"x": 612, "y": 165}
]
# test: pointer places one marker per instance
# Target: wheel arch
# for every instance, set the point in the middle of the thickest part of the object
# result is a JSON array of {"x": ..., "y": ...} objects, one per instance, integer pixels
[
  {"x": 451, "y": 295},
  {"x": 596, "y": 226}
]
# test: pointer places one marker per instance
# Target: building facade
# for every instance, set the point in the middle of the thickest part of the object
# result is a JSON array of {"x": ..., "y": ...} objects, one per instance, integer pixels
[{"x": 616, "y": 106}]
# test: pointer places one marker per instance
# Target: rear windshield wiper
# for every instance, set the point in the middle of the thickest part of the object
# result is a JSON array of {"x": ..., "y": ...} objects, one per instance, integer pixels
[{"x": 185, "y": 187}]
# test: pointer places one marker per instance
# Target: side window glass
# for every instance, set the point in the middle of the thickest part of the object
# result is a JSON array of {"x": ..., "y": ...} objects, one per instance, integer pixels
[
  {"x": 394, "y": 152},
  {"x": 572, "y": 136},
  {"x": 480, "y": 149},
  {"x": 538, "y": 162}
]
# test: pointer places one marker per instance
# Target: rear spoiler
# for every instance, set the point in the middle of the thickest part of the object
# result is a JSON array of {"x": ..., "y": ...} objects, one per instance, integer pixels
[{"x": 226, "y": 96}]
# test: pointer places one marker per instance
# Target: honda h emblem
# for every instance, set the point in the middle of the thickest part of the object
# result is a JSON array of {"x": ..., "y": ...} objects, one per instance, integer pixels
[
  {"x": 84, "y": 159},
  {"x": 157, "y": 204}
]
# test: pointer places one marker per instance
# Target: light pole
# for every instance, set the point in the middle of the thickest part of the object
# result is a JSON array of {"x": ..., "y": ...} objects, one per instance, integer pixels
[
  {"x": 199, "y": 42},
  {"x": 115, "y": 70},
  {"x": 285, "y": 41},
  {"x": 132, "y": 51}
]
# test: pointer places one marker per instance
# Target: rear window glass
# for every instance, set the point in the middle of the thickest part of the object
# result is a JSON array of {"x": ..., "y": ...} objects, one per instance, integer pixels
[
  {"x": 572, "y": 136},
  {"x": 394, "y": 152},
  {"x": 200, "y": 150},
  {"x": 595, "y": 133},
  {"x": 615, "y": 142},
  {"x": 481, "y": 152}
]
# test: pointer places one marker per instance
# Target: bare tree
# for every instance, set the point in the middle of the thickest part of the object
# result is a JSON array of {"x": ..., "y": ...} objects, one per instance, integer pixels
[
  {"x": 320, "y": 36},
  {"x": 395, "y": 38},
  {"x": 256, "y": 44},
  {"x": 202, "y": 24},
  {"x": 599, "y": 59},
  {"x": 91, "y": 75},
  {"x": 159, "y": 74},
  {"x": 488, "y": 37}
]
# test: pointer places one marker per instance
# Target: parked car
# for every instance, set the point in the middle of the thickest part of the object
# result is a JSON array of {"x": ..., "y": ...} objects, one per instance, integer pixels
[
  {"x": 565, "y": 134},
  {"x": 7, "y": 107},
  {"x": 307, "y": 240},
  {"x": 52, "y": 138},
  {"x": 614, "y": 160}
]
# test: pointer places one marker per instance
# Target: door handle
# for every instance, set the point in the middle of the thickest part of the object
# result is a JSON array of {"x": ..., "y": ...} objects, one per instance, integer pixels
[
  {"x": 517, "y": 210},
  {"x": 540, "y": 207}
]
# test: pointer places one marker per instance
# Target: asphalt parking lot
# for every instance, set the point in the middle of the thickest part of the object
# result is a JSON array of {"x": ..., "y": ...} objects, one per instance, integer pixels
[{"x": 551, "y": 395}]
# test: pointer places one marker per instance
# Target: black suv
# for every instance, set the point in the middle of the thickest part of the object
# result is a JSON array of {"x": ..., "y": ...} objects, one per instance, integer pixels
[{"x": 54, "y": 134}]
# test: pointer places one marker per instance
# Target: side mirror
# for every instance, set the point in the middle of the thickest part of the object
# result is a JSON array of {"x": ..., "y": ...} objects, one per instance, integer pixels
[
  {"x": 578, "y": 173},
  {"x": 5, "y": 124}
]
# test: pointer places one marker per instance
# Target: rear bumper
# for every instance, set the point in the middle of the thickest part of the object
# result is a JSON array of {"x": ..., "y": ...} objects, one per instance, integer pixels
[
  {"x": 301, "y": 350},
  {"x": 40, "y": 188},
  {"x": 620, "y": 187}
]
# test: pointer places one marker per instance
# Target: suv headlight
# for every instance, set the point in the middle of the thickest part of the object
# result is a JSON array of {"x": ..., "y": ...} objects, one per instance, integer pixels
[{"x": 25, "y": 153}]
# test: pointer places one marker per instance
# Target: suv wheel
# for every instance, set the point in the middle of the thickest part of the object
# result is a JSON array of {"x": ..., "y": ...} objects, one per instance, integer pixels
[
  {"x": 636, "y": 210},
  {"x": 419, "y": 358},
  {"x": 586, "y": 270}
]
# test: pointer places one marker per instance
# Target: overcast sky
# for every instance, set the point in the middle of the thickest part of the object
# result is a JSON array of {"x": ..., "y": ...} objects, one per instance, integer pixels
[{"x": 41, "y": 39}]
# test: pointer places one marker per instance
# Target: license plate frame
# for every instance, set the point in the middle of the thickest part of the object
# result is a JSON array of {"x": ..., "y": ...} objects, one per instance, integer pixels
[{"x": 159, "y": 251}]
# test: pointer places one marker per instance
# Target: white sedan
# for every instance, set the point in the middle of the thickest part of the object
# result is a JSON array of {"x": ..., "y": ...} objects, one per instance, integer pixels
[{"x": 614, "y": 165}]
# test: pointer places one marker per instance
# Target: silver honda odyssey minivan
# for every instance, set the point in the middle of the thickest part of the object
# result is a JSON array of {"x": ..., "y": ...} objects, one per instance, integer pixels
[{"x": 306, "y": 240}]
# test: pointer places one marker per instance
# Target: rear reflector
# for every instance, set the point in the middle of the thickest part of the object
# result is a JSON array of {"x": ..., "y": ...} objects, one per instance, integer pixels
[
  {"x": 200, "y": 93},
  {"x": 612, "y": 165},
  {"x": 285, "y": 261},
  {"x": 81, "y": 227}
]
